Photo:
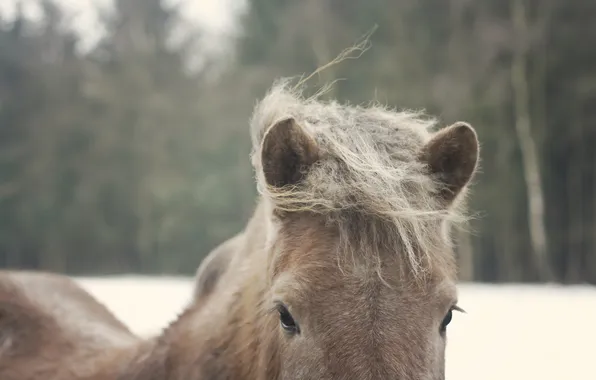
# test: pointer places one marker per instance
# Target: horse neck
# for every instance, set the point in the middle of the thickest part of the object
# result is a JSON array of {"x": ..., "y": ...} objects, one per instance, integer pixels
[{"x": 218, "y": 339}]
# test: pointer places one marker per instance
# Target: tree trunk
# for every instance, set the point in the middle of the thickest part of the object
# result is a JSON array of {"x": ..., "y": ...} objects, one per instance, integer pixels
[{"x": 531, "y": 166}]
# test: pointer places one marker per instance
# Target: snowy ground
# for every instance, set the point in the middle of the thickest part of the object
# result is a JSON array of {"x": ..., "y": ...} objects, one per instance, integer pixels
[{"x": 510, "y": 332}]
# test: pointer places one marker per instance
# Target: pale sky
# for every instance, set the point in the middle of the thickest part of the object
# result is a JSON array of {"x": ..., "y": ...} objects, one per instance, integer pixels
[{"x": 216, "y": 15}]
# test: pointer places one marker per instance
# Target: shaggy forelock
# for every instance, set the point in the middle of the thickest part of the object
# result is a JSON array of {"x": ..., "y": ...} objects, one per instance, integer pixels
[{"x": 369, "y": 179}]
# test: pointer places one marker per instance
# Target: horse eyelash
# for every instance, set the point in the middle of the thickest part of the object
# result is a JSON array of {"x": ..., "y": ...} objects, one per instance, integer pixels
[
  {"x": 459, "y": 309},
  {"x": 275, "y": 307}
]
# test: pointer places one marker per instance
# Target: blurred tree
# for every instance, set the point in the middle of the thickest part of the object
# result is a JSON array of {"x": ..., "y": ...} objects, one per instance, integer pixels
[
  {"x": 41, "y": 115},
  {"x": 122, "y": 159}
]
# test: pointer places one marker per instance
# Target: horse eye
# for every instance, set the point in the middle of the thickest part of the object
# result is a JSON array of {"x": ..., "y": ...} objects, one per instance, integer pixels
[
  {"x": 446, "y": 320},
  {"x": 287, "y": 321}
]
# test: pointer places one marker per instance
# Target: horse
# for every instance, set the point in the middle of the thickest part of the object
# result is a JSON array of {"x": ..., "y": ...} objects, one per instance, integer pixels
[
  {"x": 51, "y": 328},
  {"x": 346, "y": 269}
]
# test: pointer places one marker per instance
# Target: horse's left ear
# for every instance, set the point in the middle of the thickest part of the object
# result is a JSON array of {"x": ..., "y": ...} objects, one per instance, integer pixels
[
  {"x": 287, "y": 152},
  {"x": 452, "y": 158}
]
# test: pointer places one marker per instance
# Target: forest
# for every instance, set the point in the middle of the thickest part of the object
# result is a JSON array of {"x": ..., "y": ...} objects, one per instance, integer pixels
[{"x": 133, "y": 155}]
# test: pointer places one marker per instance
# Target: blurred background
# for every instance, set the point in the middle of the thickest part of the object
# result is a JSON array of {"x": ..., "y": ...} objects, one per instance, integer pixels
[{"x": 124, "y": 144}]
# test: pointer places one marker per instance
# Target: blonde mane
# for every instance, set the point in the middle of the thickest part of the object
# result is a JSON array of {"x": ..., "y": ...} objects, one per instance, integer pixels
[{"x": 370, "y": 180}]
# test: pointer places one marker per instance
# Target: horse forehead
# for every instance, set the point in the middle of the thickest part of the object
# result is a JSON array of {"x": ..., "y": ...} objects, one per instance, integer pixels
[
  {"x": 328, "y": 293},
  {"x": 312, "y": 267},
  {"x": 372, "y": 330},
  {"x": 369, "y": 288},
  {"x": 308, "y": 260}
]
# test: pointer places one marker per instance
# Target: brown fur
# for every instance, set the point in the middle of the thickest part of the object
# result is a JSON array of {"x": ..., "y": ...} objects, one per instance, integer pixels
[
  {"x": 351, "y": 235},
  {"x": 52, "y": 329}
]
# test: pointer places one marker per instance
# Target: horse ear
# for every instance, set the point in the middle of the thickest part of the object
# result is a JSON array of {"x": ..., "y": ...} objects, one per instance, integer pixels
[
  {"x": 452, "y": 158},
  {"x": 287, "y": 153}
]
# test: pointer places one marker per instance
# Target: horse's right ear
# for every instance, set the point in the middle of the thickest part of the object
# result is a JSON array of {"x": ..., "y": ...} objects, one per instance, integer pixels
[
  {"x": 287, "y": 153},
  {"x": 452, "y": 157}
]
